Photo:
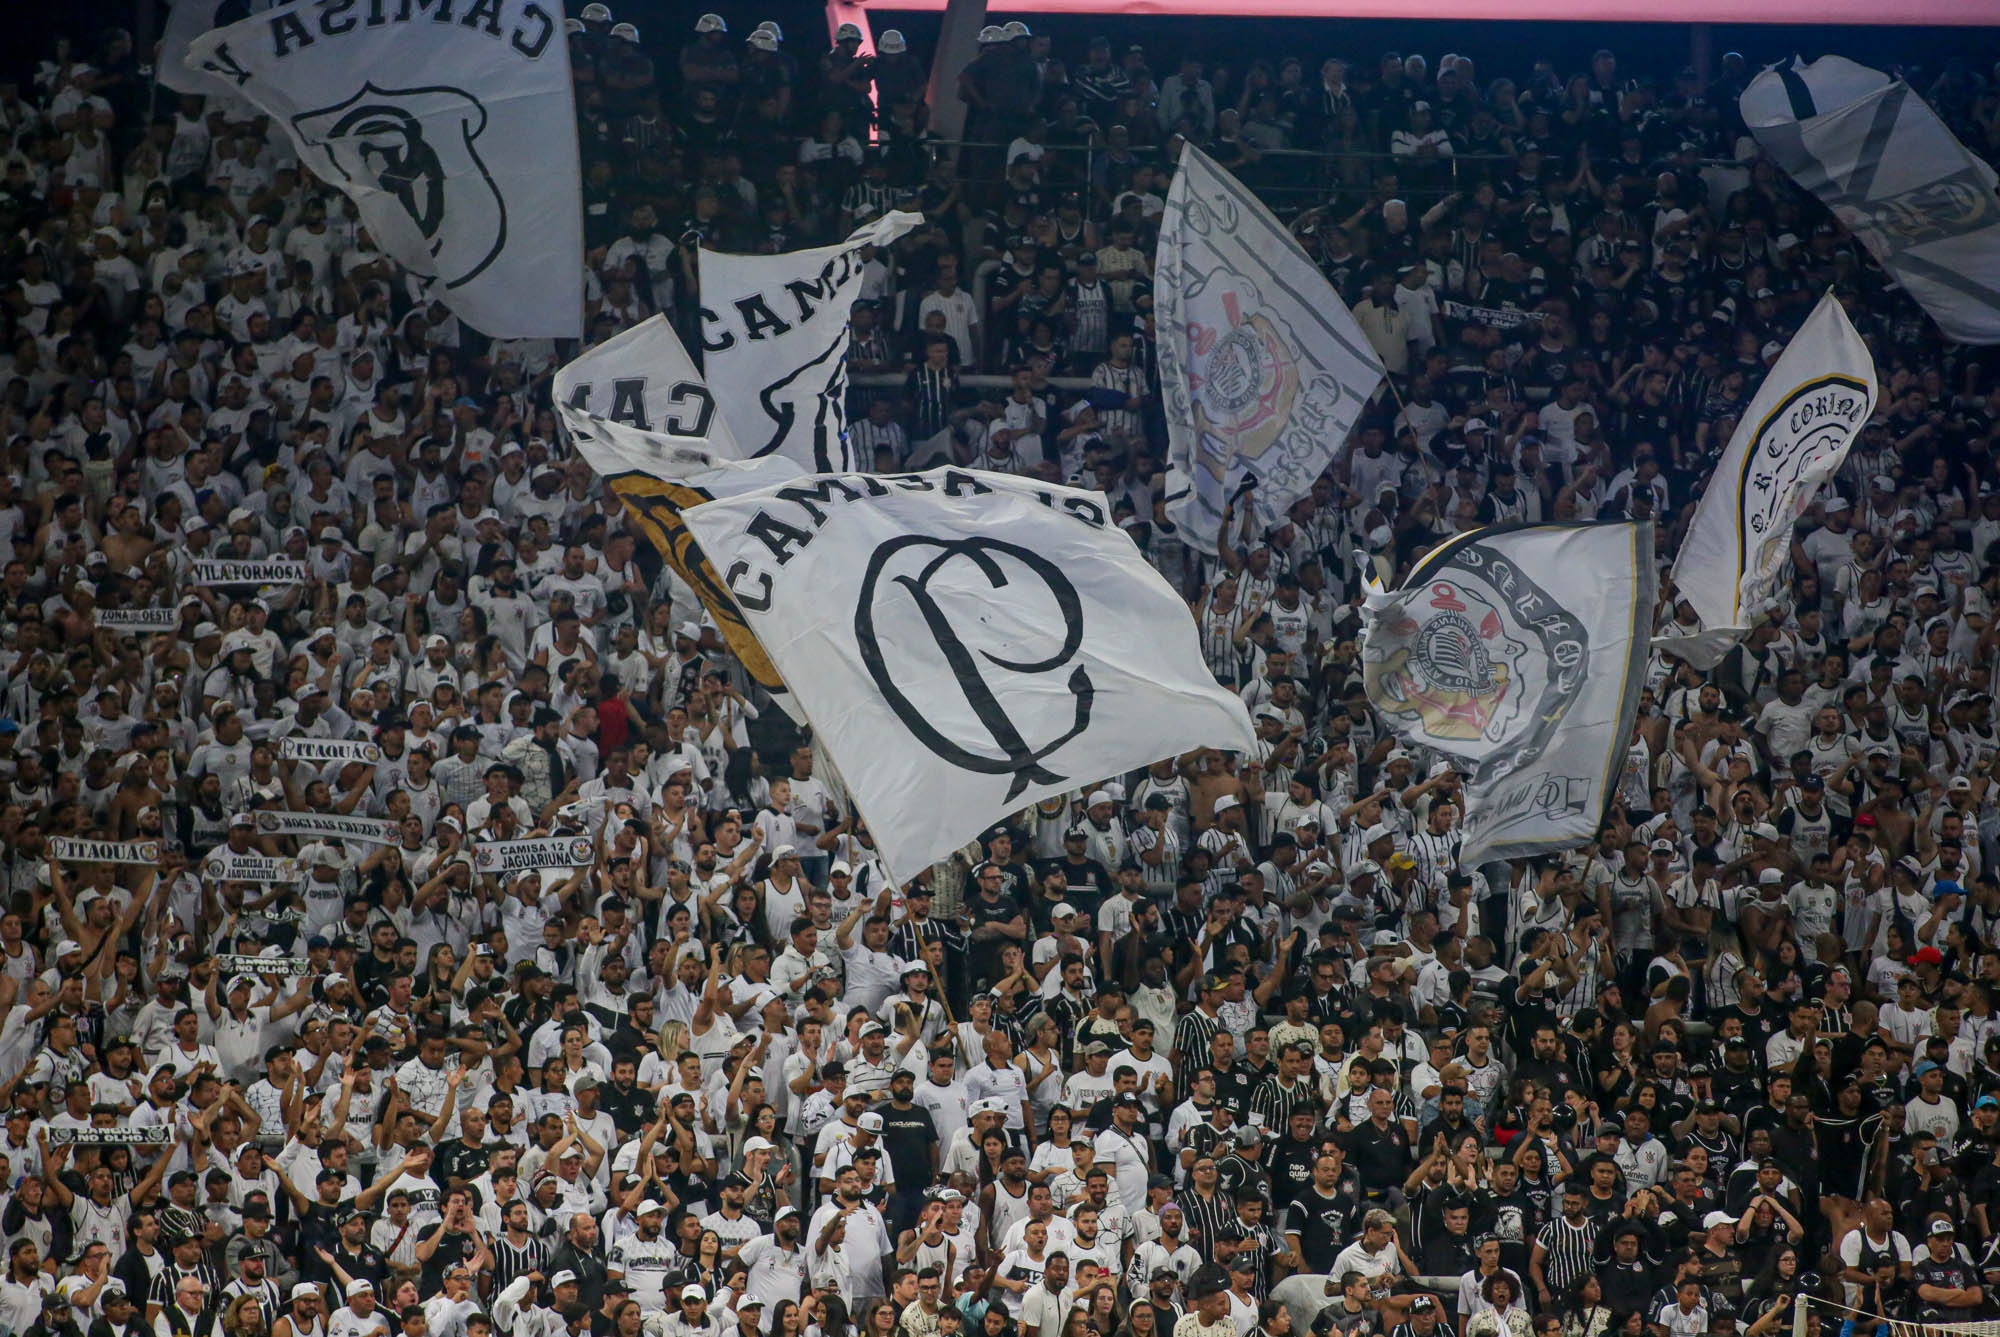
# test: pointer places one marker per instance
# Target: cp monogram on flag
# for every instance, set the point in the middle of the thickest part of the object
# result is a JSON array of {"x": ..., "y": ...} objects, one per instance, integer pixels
[{"x": 964, "y": 643}]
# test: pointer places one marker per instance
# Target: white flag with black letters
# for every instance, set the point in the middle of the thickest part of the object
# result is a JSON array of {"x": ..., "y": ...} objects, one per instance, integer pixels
[
  {"x": 1875, "y": 153},
  {"x": 450, "y": 126},
  {"x": 1519, "y": 651},
  {"x": 644, "y": 379},
  {"x": 965, "y": 643},
  {"x": 774, "y": 342},
  {"x": 1263, "y": 370},
  {"x": 1793, "y": 437}
]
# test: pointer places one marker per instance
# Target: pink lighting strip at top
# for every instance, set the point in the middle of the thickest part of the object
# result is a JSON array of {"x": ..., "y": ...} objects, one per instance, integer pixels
[{"x": 1903, "y": 13}]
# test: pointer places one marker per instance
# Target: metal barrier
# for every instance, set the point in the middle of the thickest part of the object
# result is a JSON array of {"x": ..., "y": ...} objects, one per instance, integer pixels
[{"x": 1285, "y": 179}]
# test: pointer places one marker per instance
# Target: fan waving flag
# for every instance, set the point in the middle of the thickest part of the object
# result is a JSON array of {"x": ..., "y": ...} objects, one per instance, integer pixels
[
  {"x": 965, "y": 644},
  {"x": 452, "y": 131},
  {"x": 1263, "y": 370},
  {"x": 1873, "y": 152},
  {"x": 1519, "y": 652},
  {"x": 774, "y": 342},
  {"x": 1793, "y": 437}
]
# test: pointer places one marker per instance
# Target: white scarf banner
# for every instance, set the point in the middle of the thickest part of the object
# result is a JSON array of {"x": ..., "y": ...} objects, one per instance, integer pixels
[
  {"x": 1263, "y": 370},
  {"x": 236, "y": 571},
  {"x": 453, "y": 130},
  {"x": 156, "y": 1135},
  {"x": 291, "y": 966},
  {"x": 224, "y": 866},
  {"x": 643, "y": 378},
  {"x": 1876, "y": 155},
  {"x": 71, "y": 849},
  {"x": 138, "y": 619},
  {"x": 1519, "y": 653},
  {"x": 513, "y": 856},
  {"x": 328, "y": 826},
  {"x": 774, "y": 342},
  {"x": 1792, "y": 438},
  {"x": 965, "y": 643},
  {"x": 342, "y": 750}
]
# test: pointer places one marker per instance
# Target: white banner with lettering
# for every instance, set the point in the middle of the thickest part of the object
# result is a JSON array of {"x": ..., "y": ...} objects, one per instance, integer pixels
[
  {"x": 342, "y": 750},
  {"x": 964, "y": 643},
  {"x": 138, "y": 619},
  {"x": 513, "y": 856},
  {"x": 1518, "y": 652},
  {"x": 234, "y": 571},
  {"x": 774, "y": 342},
  {"x": 71, "y": 849},
  {"x": 328, "y": 826},
  {"x": 453, "y": 130},
  {"x": 1792, "y": 438},
  {"x": 224, "y": 866},
  {"x": 1263, "y": 370}
]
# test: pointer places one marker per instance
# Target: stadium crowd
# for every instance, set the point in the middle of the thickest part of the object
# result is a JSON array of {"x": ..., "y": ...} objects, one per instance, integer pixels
[{"x": 1231, "y": 1047}]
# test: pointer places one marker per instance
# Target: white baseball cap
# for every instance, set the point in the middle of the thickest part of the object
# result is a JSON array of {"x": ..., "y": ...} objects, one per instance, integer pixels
[
  {"x": 846, "y": 32},
  {"x": 892, "y": 43},
  {"x": 709, "y": 23}
]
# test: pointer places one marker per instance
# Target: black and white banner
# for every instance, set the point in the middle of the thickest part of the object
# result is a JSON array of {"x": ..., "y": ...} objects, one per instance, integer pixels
[
  {"x": 71, "y": 849},
  {"x": 1263, "y": 370},
  {"x": 514, "y": 856},
  {"x": 138, "y": 619},
  {"x": 289, "y": 966},
  {"x": 328, "y": 826},
  {"x": 224, "y": 866},
  {"x": 230, "y": 571},
  {"x": 452, "y": 128},
  {"x": 328, "y": 749},
  {"x": 964, "y": 643},
  {"x": 1496, "y": 317},
  {"x": 1897, "y": 178},
  {"x": 774, "y": 342},
  {"x": 1519, "y": 653},
  {"x": 1792, "y": 438},
  {"x": 154, "y": 1135}
]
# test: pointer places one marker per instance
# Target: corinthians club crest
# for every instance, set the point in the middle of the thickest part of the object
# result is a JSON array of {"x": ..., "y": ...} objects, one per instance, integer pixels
[
  {"x": 1477, "y": 660},
  {"x": 423, "y": 188},
  {"x": 1248, "y": 387}
]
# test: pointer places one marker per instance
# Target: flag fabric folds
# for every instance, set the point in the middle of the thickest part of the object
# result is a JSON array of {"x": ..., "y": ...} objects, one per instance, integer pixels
[
  {"x": 454, "y": 133},
  {"x": 774, "y": 342},
  {"x": 1793, "y": 437},
  {"x": 659, "y": 474},
  {"x": 1876, "y": 155},
  {"x": 1518, "y": 652},
  {"x": 965, "y": 643},
  {"x": 1263, "y": 370}
]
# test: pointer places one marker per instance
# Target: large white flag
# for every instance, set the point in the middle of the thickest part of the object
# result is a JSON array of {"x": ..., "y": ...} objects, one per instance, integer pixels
[
  {"x": 450, "y": 126},
  {"x": 1519, "y": 652},
  {"x": 965, "y": 643},
  {"x": 1792, "y": 438},
  {"x": 643, "y": 378},
  {"x": 1895, "y": 176},
  {"x": 774, "y": 343},
  {"x": 1262, "y": 368}
]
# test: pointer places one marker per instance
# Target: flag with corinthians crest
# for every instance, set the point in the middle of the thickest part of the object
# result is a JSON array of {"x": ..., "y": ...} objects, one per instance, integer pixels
[{"x": 1517, "y": 652}]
